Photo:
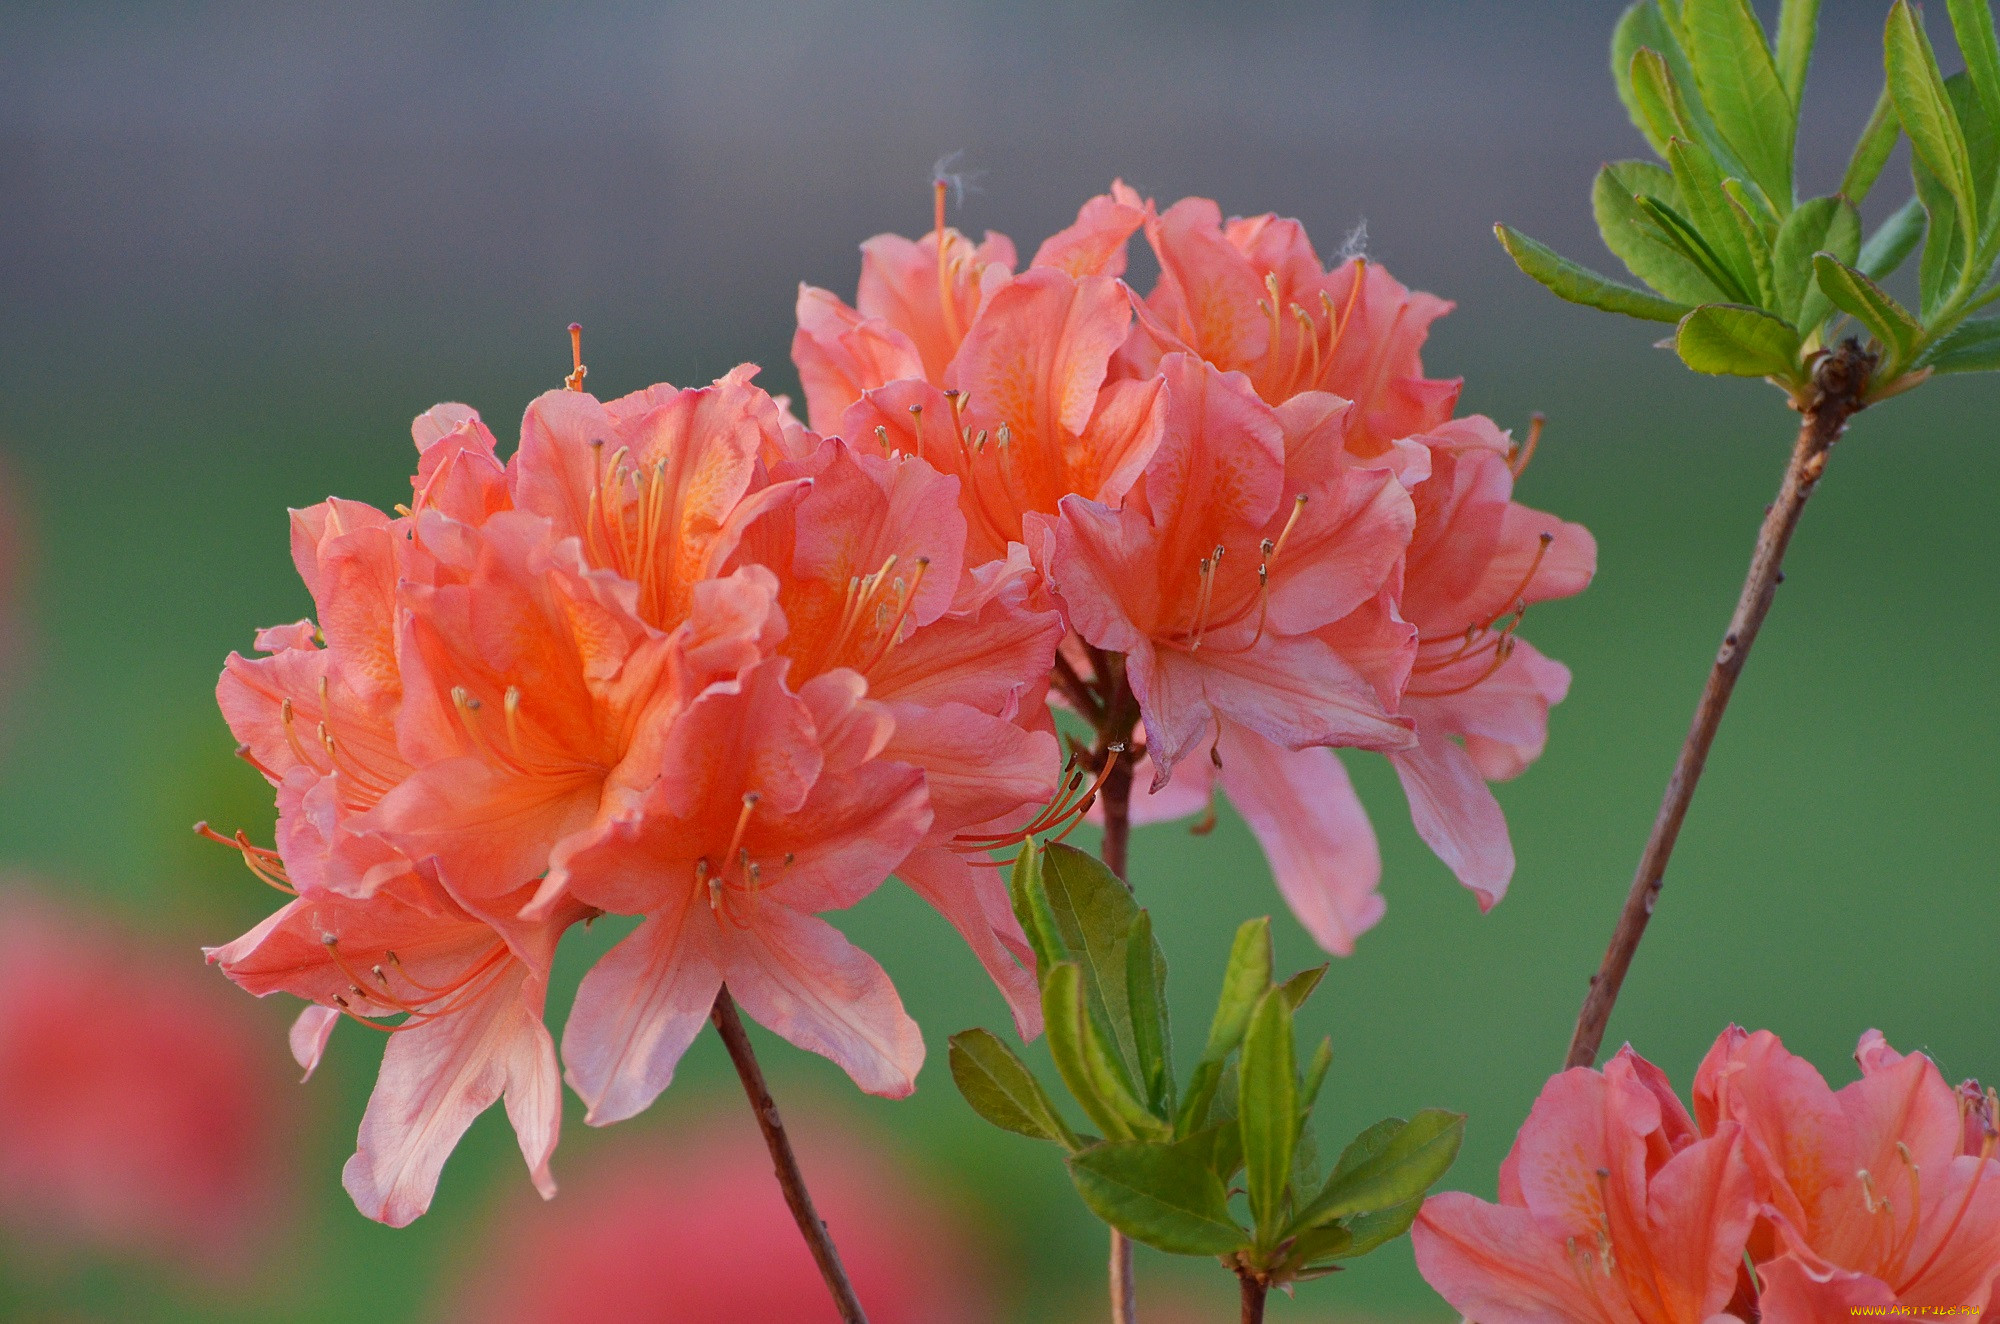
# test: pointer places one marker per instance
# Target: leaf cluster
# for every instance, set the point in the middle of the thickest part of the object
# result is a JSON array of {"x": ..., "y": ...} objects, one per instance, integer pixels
[
  {"x": 1225, "y": 1164},
  {"x": 1758, "y": 281}
]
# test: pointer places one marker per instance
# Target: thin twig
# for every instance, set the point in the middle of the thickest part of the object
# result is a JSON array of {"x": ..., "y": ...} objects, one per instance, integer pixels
[
  {"x": 1254, "y": 1292},
  {"x": 1077, "y": 690},
  {"x": 783, "y": 1161},
  {"x": 1117, "y": 711},
  {"x": 1839, "y": 383}
]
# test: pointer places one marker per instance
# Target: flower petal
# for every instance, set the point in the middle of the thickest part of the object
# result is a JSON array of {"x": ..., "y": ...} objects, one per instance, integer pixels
[
  {"x": 797, "y": 976},
  {"x": 639, "y": 1008},
  {"x": 1316, "y": 835}
]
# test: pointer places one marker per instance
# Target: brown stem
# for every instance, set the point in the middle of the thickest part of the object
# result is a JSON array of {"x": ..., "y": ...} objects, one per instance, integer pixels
[
  {"x": 1117, "y": 711},
  {"x": 1839, "y": 382},
  {"x": 783, "y": 1161},
  {"x": 1254, "y": 1292}
]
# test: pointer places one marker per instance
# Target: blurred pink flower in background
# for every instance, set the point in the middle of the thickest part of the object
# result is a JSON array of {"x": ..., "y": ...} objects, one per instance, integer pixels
[
  {"x": 138, "y": 1112},
  {"x": 692, "y": 1229}
]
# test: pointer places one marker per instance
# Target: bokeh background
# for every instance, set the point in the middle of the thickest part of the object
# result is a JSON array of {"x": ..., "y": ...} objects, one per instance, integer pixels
[{"x": 242, "y": 244}]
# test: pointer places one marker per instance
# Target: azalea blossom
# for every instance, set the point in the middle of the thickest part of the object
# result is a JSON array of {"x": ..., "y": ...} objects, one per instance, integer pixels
[
  {"x": 1440, "y": 642},
  {"x": 507, "y": 718},
  {"x": 460, "y": 1003},
  {"x": 1613, "y": 1209},
  {"x": 690, "y": 1227},
  {"x": 1883, "y": 1193},
  {"x": 1878, "y": 1196},
  {"x": 136, "y": 1115}
]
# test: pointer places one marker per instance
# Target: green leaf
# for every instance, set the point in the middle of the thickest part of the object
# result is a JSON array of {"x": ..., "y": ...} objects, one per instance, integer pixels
[
  {"x": 1391, "y": 1163},
  {"x": 1305, "y": 1174},
  {"x": 1634, "y": 236},
  {"x": 1729, "y": 339},
  {"x": 1753, "y": 111},
  {"x": 1162, "y": 1195},
  {"x": 1869, "y": 304},
  {"x": 1972, "y": 24},
  {"x": 1871, "y": 152},
  {"x": 1301, "y": 985},
  {"x": 1982, "y": 140},
  {"x": 1677, "y": 230},
  {"x": 1001, "y": 1089},
  {"x": 1085, "y": 1063},
  {"x": 1567, "y": 280},
  {"x": 1146, "y": 992},
  {"x": 1093, "y": 911},
  {"x": 1798, "y": 24},
  {"x": 1944, "y": 244},
  {"x": 1971, "y": 347},
  {"x": 1374, "y": 1230},
  {"x": 1714, "y": 219},
  {"x": 1893, "y": 241},
  {"x": 1757, "y": 239},
  {"x": 1316, "y": 1070},
  {"x": 1243, "y": 983},
  {"x": 1194, "y": 1109},
  {"x": 1925, "y": 109},
  {"x": 1031, "y": 908},
  {"x": 1643, "y": 27},
  {"x": 1650, "y": 59},
  {"x": 1267, "y": 1110},
  {"x": 1318, "y": 1245},
  {"x": 1818, "y": 225}
]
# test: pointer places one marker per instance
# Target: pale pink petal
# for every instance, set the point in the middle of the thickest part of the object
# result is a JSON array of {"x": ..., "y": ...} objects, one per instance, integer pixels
[
  {"x": 1701, "y": 1208},
  {"x": 1795, "y": 1294},
  {"x": 963, "y": 891},
  {"x": 309, "y": 1034},
  {"x": 1208, "y": 292},
  {"x": 1314, "y": 831},
  {"x": 797, "y": 976},
  {"x": 840, "y": 354},
  {"x": 1456, "y": 814},
  {"x": 1036, "y": 359},
  {"x": 1095, "y": 244},
  {"x": 1562, "y": 1147},
  {"x": 977, "y": 768},
  {"x": 639, "y": 1008},
  {"x": 436, "y": 1078},
  {"x": 1293, "y": 690},
  {"x": 1495, "y": 1265}
]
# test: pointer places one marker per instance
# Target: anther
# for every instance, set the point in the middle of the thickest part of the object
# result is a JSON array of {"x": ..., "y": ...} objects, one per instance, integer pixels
[{"x": 574, "y": 381}]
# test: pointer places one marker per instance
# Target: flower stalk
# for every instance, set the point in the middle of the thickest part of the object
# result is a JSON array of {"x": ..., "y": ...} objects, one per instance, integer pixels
[
  {"x": 1838, "y": 391},
  {"x": 1116, "y": 710},
  {"x": 784, "y": 1163}
]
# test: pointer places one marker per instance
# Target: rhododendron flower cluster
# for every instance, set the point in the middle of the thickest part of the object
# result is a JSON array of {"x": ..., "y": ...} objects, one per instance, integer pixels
[
  {"x": 1778, "y": 1198},
  {"x": 683, "y": 657},
  {"x": 1242, "y": 489}
]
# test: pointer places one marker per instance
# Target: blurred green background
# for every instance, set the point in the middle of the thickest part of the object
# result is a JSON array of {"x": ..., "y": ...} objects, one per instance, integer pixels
[{"x": 240, "y": 246}]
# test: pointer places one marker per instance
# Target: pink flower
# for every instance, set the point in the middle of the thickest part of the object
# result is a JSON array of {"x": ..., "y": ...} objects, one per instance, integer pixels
[
  {"x": 1439, "y": 641},
  {"x": 771, "y": 806},
  {"x": 470, "y": 995},
  {"x": 1876, "y": 1193},
  {"x": 915, "y": 304},
  {"x": 1613, "y": 1210},
  {"x": 1479, "y": 693},
  {"x": 696, "y": 1229},
  {"x": 870, "y": 584},
  {"x": 845, "y": 564},
  {"x": 134, "y": 1113},
  {"x": 1213, "y": 579},
  {"x": 1251, "y": 296}
]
